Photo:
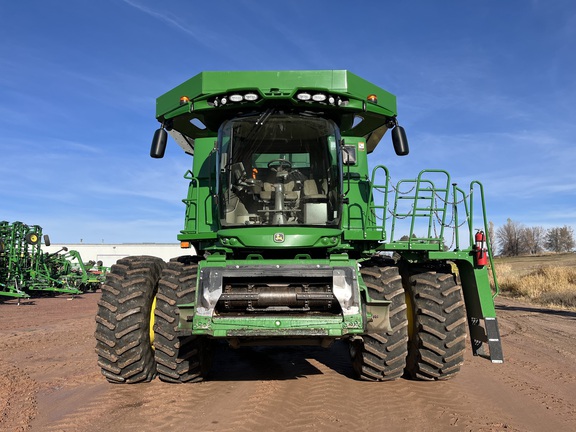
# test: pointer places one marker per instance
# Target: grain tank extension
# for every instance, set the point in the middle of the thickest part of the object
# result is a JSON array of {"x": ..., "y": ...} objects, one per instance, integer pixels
[{"x": 297, "y": 242}]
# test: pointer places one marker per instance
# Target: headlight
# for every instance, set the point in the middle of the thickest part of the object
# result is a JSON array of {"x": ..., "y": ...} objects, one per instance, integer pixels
[
  {"x": 322, "y": 98},
  {"x": 250, "y": 97},
  {"x": 234, "y": 98}
]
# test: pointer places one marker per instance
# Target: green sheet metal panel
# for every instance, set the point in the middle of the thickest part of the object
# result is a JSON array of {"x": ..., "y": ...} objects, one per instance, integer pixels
[{"x": 275, "y": 84}]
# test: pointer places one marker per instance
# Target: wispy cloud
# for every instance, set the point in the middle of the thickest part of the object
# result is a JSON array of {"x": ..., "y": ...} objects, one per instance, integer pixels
[
  {"x": 207, "y": 36},
  {"x": 169, "y": 19}
]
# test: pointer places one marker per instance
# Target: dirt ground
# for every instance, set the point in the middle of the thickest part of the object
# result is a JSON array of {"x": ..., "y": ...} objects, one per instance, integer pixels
[{"x": 50, "y": 382}]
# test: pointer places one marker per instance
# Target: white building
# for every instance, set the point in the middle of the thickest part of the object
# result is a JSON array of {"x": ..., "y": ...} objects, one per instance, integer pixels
[{"x": 110, "y": 253}]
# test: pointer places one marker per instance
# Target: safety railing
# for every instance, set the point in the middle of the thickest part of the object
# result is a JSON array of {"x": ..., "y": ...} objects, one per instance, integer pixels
[
  {"x": 425, "y": 213},
  {"x": 192, "y": 204}
]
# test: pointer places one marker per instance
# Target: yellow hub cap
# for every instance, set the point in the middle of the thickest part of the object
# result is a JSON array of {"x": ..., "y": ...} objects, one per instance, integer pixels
[{"x": 152, "y": 319}]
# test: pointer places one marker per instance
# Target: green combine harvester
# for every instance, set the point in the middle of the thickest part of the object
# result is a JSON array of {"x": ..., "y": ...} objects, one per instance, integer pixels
[{"x": 297, "y": 242}]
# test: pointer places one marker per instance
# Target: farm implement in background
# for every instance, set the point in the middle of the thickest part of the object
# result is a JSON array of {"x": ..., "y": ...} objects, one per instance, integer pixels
[{"x": 26, "y": 270}]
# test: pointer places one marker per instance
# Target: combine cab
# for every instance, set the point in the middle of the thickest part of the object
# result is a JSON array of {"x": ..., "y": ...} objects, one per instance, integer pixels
[{"x": 296, "y": 241}]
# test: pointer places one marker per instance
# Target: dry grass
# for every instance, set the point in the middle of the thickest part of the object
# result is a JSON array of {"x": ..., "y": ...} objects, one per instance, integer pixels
[{"x": 547, "y": 280}]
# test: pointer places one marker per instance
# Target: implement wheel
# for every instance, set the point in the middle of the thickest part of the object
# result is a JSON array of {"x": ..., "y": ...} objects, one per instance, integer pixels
[
  {"x": 179, "y": 358},
  {"x": 438, "y": 324},
  {"x": 124, "y": 348},
  {"x": 382, "y": 356}
]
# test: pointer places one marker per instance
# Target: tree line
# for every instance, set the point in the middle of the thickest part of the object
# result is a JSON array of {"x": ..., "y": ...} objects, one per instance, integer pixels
[{"x": 514, "y": 239}]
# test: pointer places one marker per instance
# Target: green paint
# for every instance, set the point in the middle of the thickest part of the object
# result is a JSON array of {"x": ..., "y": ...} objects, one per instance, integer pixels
[{"x": 280, "y": 190}]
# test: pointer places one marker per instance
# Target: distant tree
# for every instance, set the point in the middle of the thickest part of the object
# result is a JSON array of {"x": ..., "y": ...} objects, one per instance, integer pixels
[
  {"x": 532, "y": 240},
  {"x": 509, "y": 238},
  {"x": 560, "y": 239},
  {"x": 491, "y": 234}
]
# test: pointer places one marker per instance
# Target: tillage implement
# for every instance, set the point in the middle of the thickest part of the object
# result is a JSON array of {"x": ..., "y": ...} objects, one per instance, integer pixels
[{"x": 26, "y": 270}]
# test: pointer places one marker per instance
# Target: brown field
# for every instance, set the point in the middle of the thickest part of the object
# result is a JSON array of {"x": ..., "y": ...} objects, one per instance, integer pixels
[
  {"x": 548, "y": 280},
  {"x": 526, "y": 264}
]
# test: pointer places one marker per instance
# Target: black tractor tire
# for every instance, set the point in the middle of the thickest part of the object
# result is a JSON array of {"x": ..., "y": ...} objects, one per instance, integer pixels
[
  {"x": 180, "y": 358},
  {"x": 123, "y": 345},
  {"x": 438, "y": 324},
  {"x": 382, "y": 356}
]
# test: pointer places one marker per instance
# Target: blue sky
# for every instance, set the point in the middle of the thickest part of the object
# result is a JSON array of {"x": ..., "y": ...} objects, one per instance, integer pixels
[{"x": 485, "y": 90}]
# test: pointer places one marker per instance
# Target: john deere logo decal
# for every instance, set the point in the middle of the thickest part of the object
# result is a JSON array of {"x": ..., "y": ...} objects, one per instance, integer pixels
[{"x": 279, "y": 237}]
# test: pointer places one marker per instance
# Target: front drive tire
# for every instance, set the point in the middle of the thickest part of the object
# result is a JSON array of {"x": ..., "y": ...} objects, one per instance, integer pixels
[
  {"x": 179, "y": 358},
  {"x": 125, "y": 353},
  {"x": 438, "y": 330},
  {"x": 382, "y": 356}
]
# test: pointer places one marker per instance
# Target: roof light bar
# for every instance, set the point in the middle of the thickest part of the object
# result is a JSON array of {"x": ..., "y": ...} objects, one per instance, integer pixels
[
  {"x": 234, "y": 98},
  {"x": 323, "y": 98}
]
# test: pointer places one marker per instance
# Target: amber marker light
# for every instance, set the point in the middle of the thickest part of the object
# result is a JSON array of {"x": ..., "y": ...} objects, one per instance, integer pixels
[
  {"x": 184, "y": 244},
  {"x": 184, "y": 100},
  {"x": 372, "y": 98}
]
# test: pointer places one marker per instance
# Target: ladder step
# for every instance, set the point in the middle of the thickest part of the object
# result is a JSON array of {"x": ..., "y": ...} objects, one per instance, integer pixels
[{"x": 494, "y": 342}]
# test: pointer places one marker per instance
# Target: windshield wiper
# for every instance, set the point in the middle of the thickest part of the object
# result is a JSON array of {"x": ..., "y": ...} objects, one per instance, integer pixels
[
  {"x": 259, "y": 122},
  {"x": 264, "y": 116}
]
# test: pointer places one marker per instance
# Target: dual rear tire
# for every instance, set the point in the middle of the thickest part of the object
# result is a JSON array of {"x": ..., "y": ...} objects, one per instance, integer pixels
[
  {"x": 137, "y": 336},
  {"x": 427, "y": 339}
]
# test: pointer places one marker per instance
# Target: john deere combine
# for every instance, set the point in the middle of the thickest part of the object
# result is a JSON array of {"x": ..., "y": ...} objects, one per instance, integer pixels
[{"x": 298, "y": 242}]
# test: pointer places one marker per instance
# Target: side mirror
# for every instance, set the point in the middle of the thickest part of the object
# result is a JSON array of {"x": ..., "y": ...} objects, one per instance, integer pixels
[
  {"x": 400, "y": 141},
  {"x": 159, "y": 144},
  {"x": 47, "y": 240}
]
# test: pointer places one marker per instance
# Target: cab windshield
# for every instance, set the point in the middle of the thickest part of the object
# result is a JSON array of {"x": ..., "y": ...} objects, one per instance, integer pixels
[{"x": 279, "y": 169}]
